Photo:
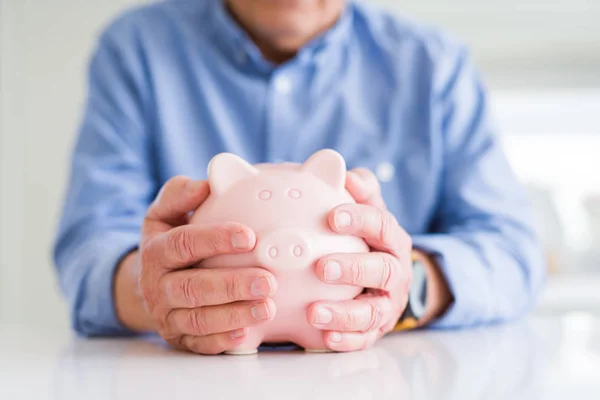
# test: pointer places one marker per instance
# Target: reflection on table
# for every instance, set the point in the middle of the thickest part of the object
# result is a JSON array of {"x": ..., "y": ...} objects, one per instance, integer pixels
[{"x": 541, "y": 358}]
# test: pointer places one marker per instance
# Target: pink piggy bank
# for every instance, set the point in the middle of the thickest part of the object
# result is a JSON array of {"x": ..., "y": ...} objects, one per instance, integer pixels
[{"x": 287, "y": 206}]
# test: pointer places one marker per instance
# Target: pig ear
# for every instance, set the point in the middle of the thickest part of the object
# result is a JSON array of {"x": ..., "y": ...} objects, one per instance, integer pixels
[
  {"x": 329, "y": 166},
  {"x": 226, "y": 169}
]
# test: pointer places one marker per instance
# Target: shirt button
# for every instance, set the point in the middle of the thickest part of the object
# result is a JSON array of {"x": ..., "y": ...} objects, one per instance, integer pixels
[
  {"x": 283, "y": 84},
  {"x": 385, "y": 172}
]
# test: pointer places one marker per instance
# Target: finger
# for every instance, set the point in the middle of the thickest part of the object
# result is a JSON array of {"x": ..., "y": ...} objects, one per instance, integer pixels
[
  {"x": 350, "y": 341},
  {"x": 176, "y": 199},
  {"x": 364, "y": 186},
  {"x": 213, "y": 344},
  {"x": 192, "y": 288},
  {"x": 378, "y": 227},
  {"x": 369, "y": 270},
  {"x": 361, "y": 315},
  {"x": 204, "y": 321},
  {"x": 189, "y": 244}
]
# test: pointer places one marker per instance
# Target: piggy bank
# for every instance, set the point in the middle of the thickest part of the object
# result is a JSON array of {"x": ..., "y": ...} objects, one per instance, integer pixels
[{"x": 287, "y": 205}]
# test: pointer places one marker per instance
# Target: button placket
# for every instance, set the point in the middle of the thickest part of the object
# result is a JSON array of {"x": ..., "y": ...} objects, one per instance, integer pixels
[{"x": 281, "y": 115}]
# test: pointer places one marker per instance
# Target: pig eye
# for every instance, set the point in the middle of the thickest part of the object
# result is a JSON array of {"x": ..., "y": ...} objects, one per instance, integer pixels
[
  {"x": 265, "y": 195},
  {"x": 294, "y": 194}
]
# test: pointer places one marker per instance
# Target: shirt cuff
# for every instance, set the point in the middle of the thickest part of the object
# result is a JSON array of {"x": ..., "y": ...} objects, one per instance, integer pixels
[
  {"x": 460, "y": 265},
  {"x": 96, "y": 314}
]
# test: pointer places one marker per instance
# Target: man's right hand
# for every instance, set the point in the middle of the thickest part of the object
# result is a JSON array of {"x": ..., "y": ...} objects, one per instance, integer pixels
[{"x": 197, "y": 309}]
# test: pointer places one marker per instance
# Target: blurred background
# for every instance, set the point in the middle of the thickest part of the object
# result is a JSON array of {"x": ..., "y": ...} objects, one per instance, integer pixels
[{"x": 540, "y": 58}]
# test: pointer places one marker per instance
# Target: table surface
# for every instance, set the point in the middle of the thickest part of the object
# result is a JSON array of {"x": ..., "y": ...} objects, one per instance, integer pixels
[{"x": 542, "y": 357}]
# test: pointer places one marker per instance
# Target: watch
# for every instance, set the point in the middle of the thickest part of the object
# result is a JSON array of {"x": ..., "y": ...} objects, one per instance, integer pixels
[{"x": 417, "y": 298}]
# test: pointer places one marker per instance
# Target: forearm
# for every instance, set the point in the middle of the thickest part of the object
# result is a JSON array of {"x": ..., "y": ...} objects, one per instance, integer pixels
[
  {"x": 129, "y": 304},
  {"x": 491, "y": 276},
  {"x": 86, "y": 262},
  {"x": 109, "y": 191}
]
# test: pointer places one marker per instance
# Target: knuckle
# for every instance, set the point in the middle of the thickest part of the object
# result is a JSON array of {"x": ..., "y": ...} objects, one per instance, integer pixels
[
  {"x": 348, "y": 321},
  {"x": 147, "y": 257},
  {"x": 152, "y": 297},
  {"x": 235, "y": 318},
  {"x": 217, "y": 241},
  {"x": 233, "y": 287},
  {"x": 387, "y": 271},
  {"x": 197, "y": 321},
  {"x": 358, "y": 217},
  {"x": 386, "y": 235},
  {"x": 182, "y": 243},
  {"x": 375, "y": 317},
  {"x": 187, "y": 288},
  {"x": 150, "y": 303},
  {"x": 166, "y": 323},
  {"x": 356, "y": 272}
]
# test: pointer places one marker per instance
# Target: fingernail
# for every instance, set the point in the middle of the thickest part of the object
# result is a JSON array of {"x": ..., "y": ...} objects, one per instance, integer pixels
[
  {"x": 333, "y": 271},
  {"x": 261, "y": 287},
  {"x": 324, "y": 316},
  {"x": 335, "y": 337},
  {"x": 342, "y": 219},
  {"x": 240, "y": 240},
  {"x": 260, "y": 311},
  {"x": 238, "y": 333}
]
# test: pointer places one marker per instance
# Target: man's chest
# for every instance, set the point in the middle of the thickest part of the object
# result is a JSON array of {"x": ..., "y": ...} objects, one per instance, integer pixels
[{"x": 288, "y": 116}]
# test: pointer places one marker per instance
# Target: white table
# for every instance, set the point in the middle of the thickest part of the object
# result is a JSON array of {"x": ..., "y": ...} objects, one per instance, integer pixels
[{"x": 550, "y": 357}]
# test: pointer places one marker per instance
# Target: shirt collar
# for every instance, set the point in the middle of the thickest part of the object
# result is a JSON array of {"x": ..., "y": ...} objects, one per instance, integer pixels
[{"x": 238, "y": 45}]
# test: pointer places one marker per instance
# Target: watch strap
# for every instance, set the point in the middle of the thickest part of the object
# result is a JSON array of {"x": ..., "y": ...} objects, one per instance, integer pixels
[{"x": 415, "y": 307}]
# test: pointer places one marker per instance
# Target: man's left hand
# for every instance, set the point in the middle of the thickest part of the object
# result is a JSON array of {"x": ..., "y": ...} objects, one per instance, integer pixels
[{"x": 386, "y": 272}]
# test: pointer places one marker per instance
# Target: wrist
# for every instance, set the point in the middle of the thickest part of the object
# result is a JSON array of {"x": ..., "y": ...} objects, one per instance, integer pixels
[
  {"x": 129, "y": 304},
  {"x": 438, "y": 296}
]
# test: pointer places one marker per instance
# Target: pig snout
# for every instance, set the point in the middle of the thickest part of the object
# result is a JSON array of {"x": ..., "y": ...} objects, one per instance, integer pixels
[{"x": 284, "y": 249}]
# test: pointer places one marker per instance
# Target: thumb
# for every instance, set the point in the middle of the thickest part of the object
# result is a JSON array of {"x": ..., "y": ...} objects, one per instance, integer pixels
[{"x": 176, "y": 199}]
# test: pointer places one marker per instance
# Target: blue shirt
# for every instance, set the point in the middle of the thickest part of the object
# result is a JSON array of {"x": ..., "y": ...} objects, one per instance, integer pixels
[{"x": 174, "y": 83}]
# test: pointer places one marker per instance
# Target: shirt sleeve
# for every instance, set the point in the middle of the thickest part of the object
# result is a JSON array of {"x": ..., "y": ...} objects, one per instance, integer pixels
[
  {"x": 482, "y": 234},
  {"x": 110, "y": 188}
]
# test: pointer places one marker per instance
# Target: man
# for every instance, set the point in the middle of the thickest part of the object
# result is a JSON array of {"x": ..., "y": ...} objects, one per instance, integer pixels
[{"x": 173, "y": 84}]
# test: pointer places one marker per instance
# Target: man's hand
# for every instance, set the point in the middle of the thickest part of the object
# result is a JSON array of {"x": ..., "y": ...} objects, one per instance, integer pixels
[
  {"x": 386, "y": 272},
  {"x": 201, "y": 310}
]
